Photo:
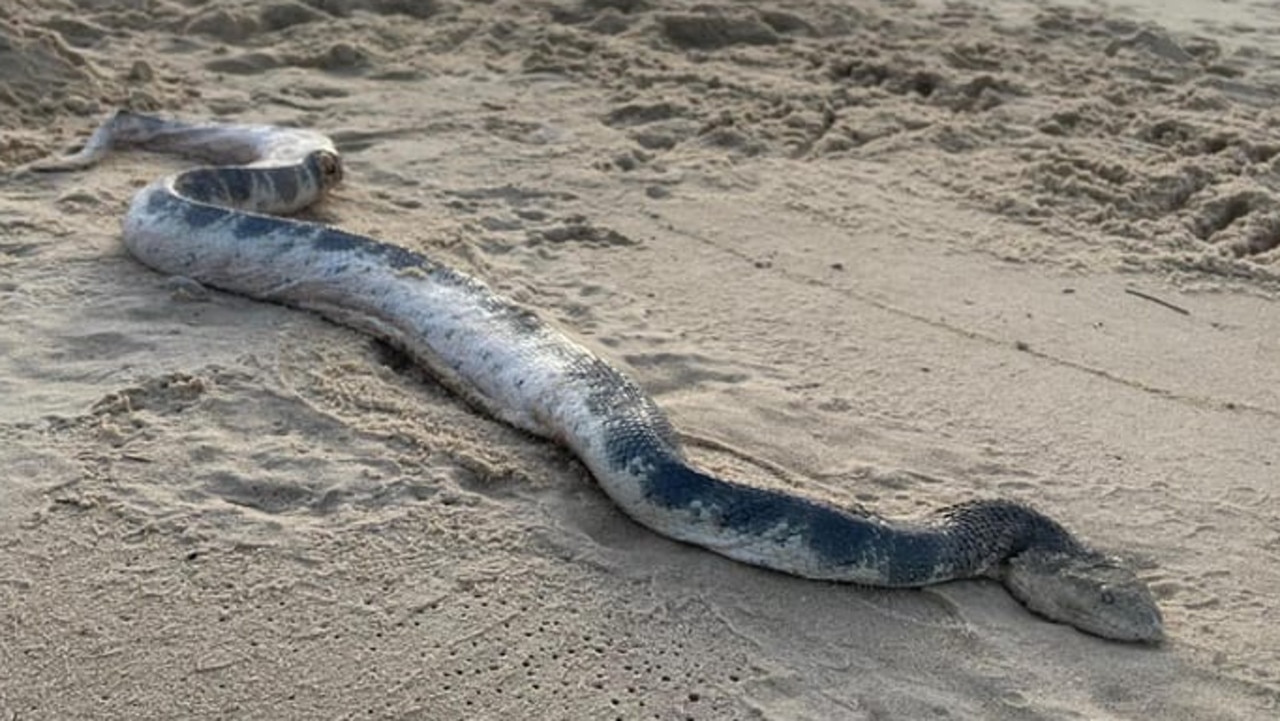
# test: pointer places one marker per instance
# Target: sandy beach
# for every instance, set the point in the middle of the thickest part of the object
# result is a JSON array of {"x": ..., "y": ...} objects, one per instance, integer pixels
[{"x": 900, "y": 254}]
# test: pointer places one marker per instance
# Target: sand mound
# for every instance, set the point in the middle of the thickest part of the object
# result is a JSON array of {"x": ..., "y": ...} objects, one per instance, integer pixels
[{"x": 41, "y": 78}]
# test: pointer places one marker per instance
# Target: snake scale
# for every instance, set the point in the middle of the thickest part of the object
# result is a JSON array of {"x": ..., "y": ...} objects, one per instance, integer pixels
[{"x": 219, "y": 225}]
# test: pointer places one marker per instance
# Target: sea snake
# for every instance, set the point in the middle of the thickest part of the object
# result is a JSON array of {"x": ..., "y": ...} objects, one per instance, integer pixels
[{"x": 218, "y": 226}]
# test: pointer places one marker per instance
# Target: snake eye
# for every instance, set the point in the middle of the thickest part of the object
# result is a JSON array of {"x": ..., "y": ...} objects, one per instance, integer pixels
[{"x": 1107, "y": 597}]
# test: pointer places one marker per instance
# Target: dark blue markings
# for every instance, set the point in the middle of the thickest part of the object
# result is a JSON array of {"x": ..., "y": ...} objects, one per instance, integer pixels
[
  {"x": 249, "y": 226},
  {"x": 333, "y": 240},
  {"x": 238, "y": 183},
  {"x": 193, "y": 214},
  {"x": 213, "y": 185},
  {"x": 199, "y": 215},
  {"x": 961, "y": 541},
  {"x": 246, "y": 226},
  {"x": 234, "y": 186},
  {"x": 838, "y": 539},
  {"x": 339, "y": 241},
  {"x": 914, "y": 556},
  {"x": 906, "y": 556},
  {"x": 741, "y": 509},
  {"x": 285, "y": 182},
  {"x": 162, "y": 202}
]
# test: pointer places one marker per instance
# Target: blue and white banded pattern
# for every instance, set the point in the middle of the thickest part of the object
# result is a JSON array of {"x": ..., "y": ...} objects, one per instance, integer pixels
[{"x": 218, "y": 225}]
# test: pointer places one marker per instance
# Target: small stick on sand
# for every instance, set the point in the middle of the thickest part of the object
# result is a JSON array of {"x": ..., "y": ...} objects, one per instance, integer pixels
[{"x": 1157, "y": 301}]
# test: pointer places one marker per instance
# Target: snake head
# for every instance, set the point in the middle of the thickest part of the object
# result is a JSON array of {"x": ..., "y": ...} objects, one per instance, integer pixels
[{"x": 1095, "y": 593}]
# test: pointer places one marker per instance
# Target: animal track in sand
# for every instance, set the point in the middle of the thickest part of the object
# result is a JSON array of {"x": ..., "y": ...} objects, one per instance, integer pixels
[{"x": 1246, "y": 222}]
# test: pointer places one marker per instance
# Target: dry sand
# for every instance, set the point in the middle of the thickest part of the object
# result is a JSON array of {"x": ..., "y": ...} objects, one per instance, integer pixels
[{"x": 882, "y": 252}]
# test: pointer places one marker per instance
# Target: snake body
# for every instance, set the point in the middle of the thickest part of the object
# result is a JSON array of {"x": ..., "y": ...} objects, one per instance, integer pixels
[{"x": 218, "y": 225}]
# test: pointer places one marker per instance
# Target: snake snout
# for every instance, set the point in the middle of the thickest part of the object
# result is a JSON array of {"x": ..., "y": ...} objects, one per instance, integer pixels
[{"x": 1095, "y": 594}]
